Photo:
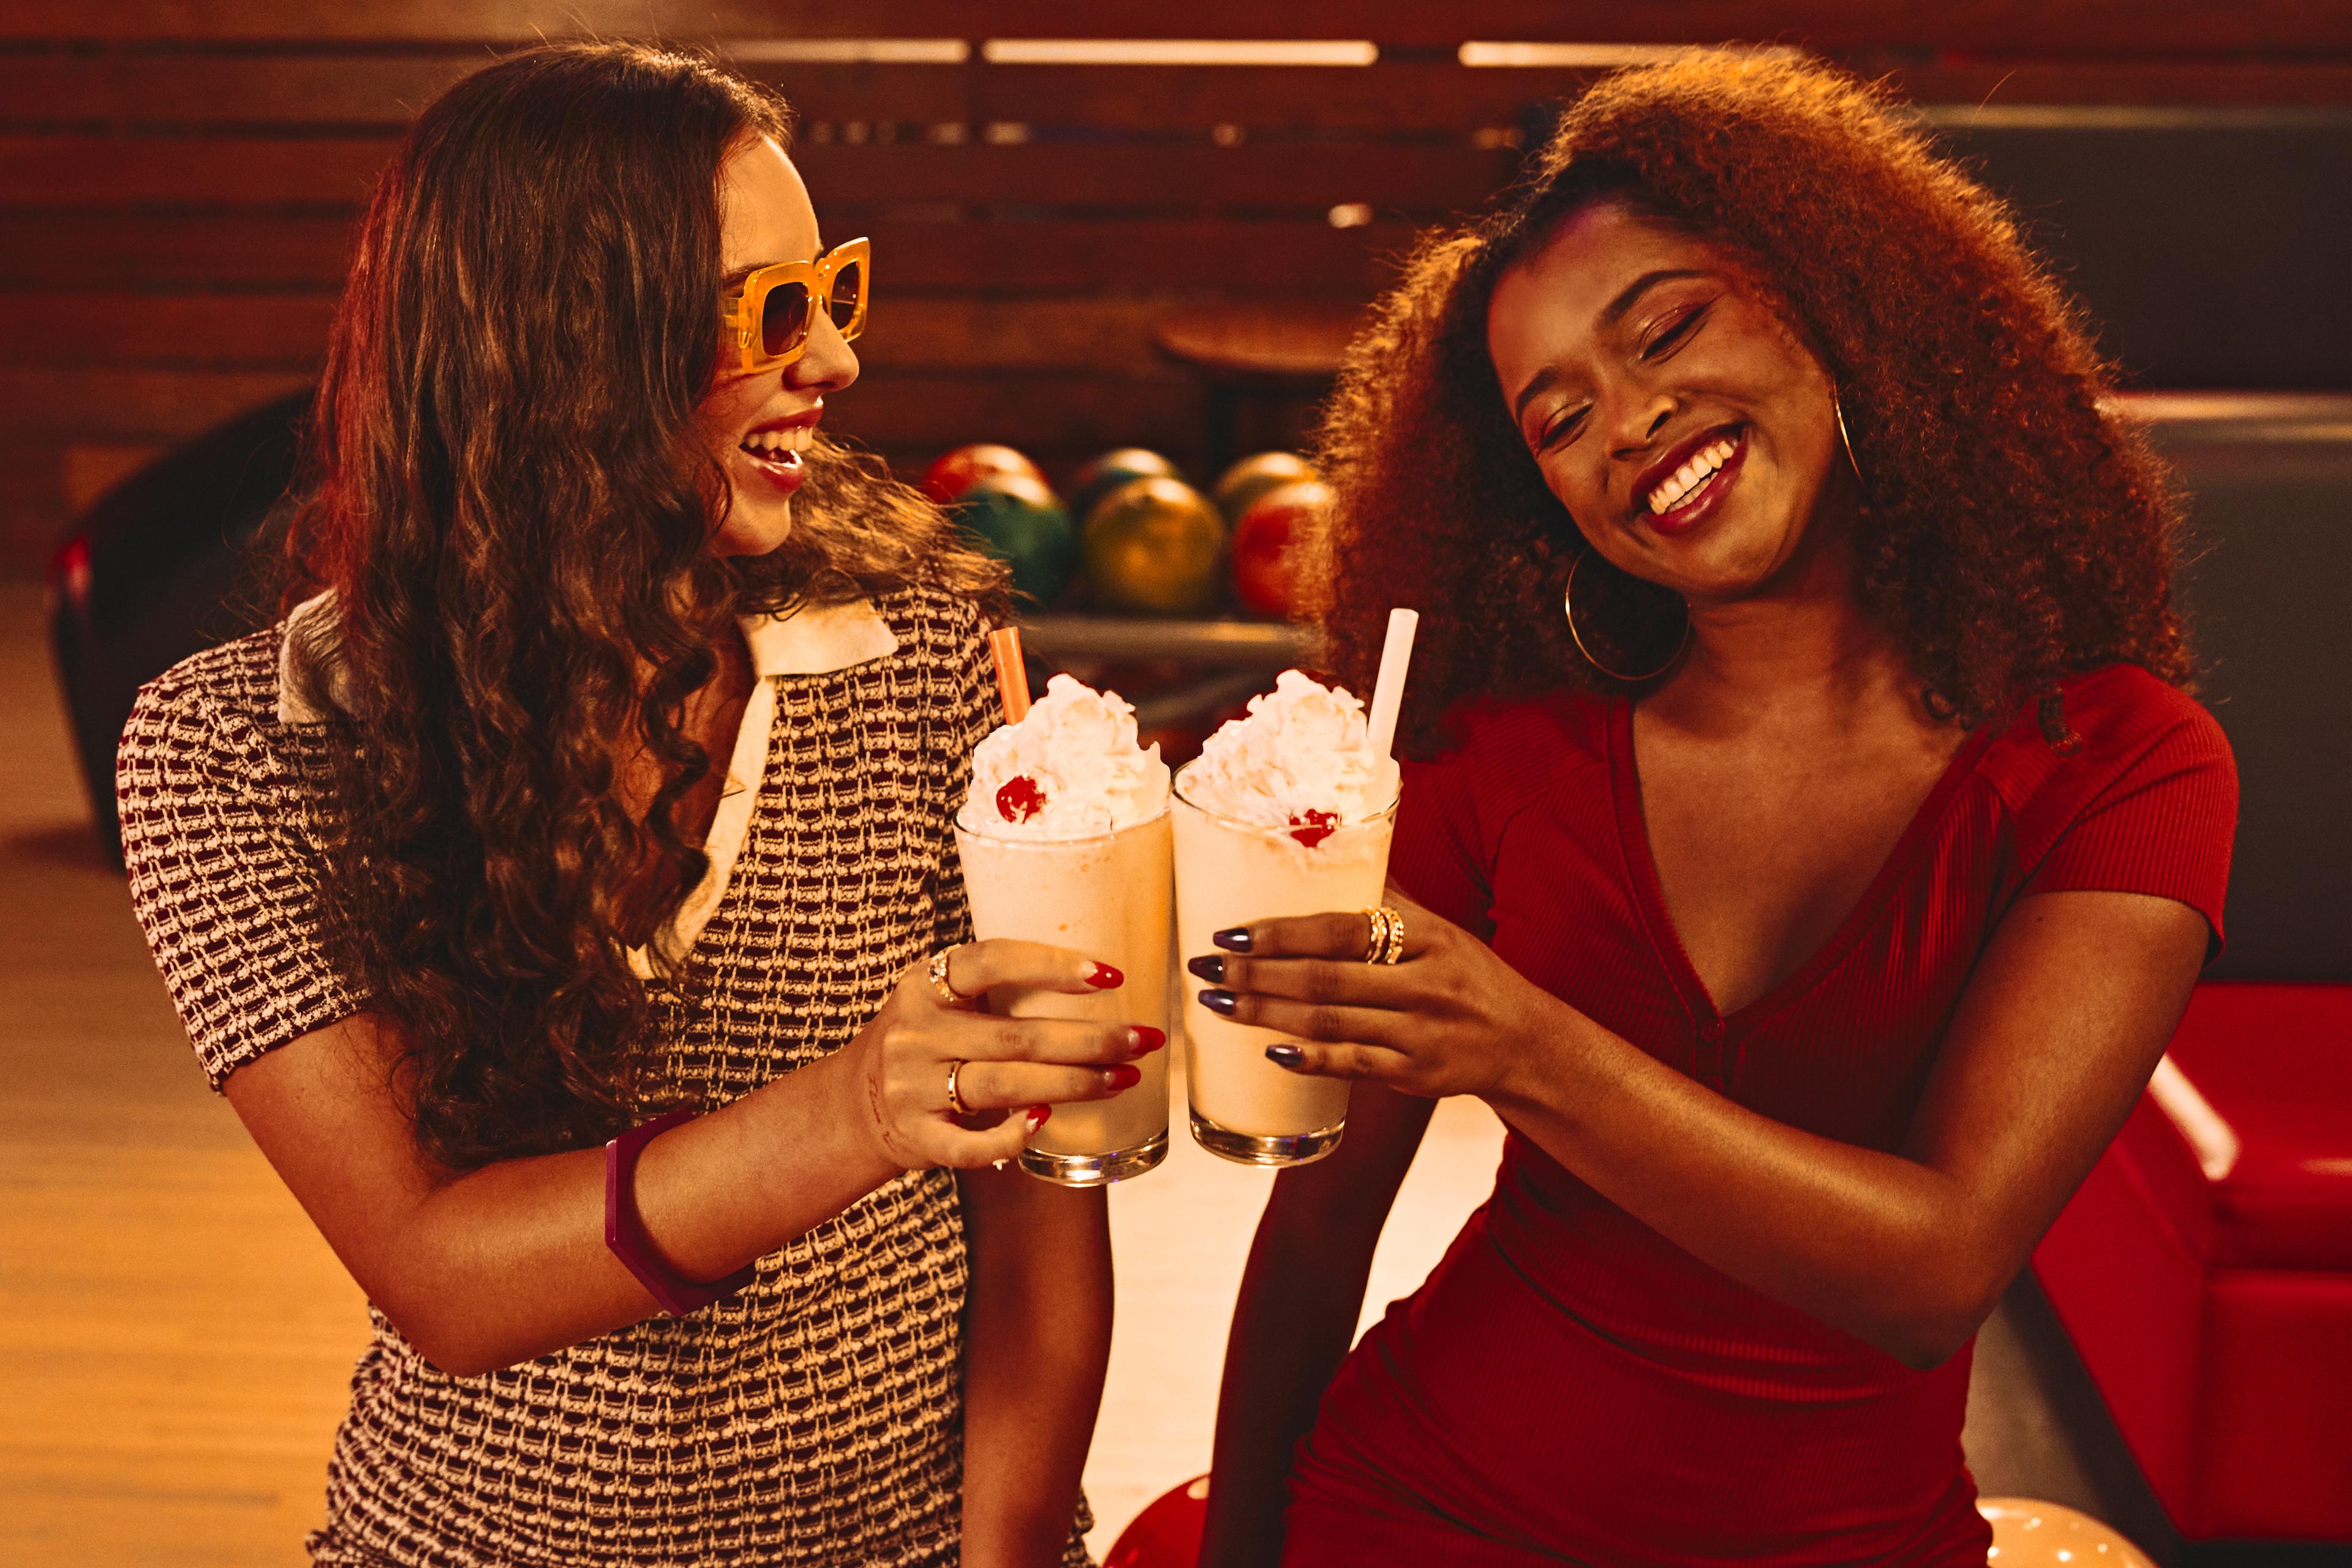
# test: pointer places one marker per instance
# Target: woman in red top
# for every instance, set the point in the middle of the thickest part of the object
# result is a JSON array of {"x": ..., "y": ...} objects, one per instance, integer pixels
[{"x": 1812, "y": 904}]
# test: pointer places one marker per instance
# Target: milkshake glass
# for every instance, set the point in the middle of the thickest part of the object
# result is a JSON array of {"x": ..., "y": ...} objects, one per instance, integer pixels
[
  {"x": 1107, "y": 897},
  {"x": 1065, "y": 839},
  {"x": 1250, "y": 845}
]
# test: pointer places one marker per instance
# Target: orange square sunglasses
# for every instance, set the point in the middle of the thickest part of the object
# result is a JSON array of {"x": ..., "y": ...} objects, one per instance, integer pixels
[{"x": 771, "y": 317}]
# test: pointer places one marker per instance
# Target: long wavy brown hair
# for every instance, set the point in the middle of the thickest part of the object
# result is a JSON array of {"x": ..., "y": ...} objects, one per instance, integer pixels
[
  {"x": 2011, "y": 530},
  {"x": 508, "y": 497}
]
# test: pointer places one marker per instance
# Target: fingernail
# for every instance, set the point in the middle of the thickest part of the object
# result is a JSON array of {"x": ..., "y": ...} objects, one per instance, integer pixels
[
  {"x": 1235, "y": 939},
  {"x": 1221, "y": 1002},
  {"x": 1124, "y": 1076},
  {"x": 1145, "y": 1039},
  {"x": 1285, "y": 1056},
  {"x": 1102, "y": 976},
  {"x": 1037, "y": 1115},
  {"x": 1211, "y": 968}
]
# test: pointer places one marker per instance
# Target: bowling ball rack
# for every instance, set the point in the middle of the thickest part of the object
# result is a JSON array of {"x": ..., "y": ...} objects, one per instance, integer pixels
[
  {"x": 1200, "y": 670},
  {"x": 1258, "y": 644}
]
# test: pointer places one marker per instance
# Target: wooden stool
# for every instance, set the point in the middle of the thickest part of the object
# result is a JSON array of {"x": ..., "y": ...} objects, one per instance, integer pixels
[{"x": 1264, "y": 357}]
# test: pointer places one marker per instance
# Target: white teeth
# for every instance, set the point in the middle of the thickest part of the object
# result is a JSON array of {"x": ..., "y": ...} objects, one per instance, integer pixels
[
  {"x": 1687, "y": 478},
  {"x": 772, "y": 443}
]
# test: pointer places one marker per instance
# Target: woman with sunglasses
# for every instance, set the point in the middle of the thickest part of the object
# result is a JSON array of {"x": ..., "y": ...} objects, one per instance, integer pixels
[
  {"x": 1811, "y": 851},
  {"x": 564, "y": 896}
]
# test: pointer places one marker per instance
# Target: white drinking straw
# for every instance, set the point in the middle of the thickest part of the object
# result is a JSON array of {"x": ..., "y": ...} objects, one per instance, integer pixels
[{"x": 1388, "y": 690}]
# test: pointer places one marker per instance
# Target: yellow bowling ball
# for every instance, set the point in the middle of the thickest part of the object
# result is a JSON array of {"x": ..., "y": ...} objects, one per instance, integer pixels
[
  {"x": 1154, "y": 545},
  {"x": 2030, "y": 1534}
]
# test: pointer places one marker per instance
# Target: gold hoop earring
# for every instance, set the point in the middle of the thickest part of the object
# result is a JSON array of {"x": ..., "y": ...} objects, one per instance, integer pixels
[
  {"x": 1568, "y": 608},
  {"x": 1838, "y": 408}
]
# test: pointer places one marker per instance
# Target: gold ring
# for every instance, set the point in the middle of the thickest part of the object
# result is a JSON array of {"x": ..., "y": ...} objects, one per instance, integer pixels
[
  {"x": 955, "y": 1097},
  {"x": 947, "y": 993},
  {"x": 1376, "y": 939},
  {"x": 1392, "y": 935}
]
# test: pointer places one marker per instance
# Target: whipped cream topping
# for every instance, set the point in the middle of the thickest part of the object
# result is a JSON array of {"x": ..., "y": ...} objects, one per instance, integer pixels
[
  {"x": 1070, "y": 769},
  {"x": 1301, "y": 758}
]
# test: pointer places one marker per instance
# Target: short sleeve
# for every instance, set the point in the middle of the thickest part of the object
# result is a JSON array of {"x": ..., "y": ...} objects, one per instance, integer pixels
[
  {"x": 222, "y": 882},
  {"x": 2157, "y": 814},
  {"x": 1437, "y": 857}
]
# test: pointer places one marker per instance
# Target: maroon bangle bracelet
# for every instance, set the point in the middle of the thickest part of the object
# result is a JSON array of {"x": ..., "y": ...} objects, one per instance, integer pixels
[{"x": 625, "y": 1232}]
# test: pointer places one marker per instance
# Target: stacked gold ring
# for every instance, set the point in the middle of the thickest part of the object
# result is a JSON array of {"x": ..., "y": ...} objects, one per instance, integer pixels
[
  {"x": 1385, "y": 943},
  {"x": 947, "y": 994}
]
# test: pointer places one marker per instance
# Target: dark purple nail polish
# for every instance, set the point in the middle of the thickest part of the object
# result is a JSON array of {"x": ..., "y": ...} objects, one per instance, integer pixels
[
  {"x": 1235, "y": 939},
  {"x": 1285, "y": 1056},
  {"x": 1221, "y": 1002},
  {"x": 1212, "y": 968}
]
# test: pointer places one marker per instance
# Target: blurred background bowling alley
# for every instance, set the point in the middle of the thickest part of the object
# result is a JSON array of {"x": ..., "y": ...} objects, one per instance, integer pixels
[{"x": 1117, "y": 253}]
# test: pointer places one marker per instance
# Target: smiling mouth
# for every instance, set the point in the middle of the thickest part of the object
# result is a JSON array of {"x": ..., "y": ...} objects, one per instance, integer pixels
[
  {"x": 779, "y": 448},
  {"x": 1695, "y": 479}
]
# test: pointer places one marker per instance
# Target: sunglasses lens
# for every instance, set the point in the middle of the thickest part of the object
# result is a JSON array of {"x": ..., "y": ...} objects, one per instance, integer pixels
[
  {"x": 848, "y": 295},
  {"x": 784, "y": 320}
]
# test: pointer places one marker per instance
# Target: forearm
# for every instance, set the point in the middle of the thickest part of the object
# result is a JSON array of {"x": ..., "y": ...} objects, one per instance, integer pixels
[
  {"x": 509, "y": 1262},
  {"x": 1292, "y": 1325},
  {"x": 1037, "y": 1319},
  {"x": 1880, "y": 1246}
]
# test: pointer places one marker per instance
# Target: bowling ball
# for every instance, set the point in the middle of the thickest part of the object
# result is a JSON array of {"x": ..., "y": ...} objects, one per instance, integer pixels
[
  {"x": 2046, "y": 1535},
  {"x": 955, "y": 472},
  {"x": 1266, "y": 541},
  {"x": 1252, "y": 476},
  {"x": 1167, "y": 1533},
  {"x": 1112, "y": 469},
  {"x": 1154, "y": 545},
  {"x": 1017, "y": 519}
]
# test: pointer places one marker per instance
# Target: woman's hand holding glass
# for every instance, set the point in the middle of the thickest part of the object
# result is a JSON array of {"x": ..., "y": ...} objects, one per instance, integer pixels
[
  {"x": 940, "y": 1076},
  {"x": 1448, "y": 1018}
]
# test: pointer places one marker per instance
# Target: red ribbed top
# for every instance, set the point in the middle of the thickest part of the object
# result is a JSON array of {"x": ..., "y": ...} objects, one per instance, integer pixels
[{"x": 1568, "y": 1384}]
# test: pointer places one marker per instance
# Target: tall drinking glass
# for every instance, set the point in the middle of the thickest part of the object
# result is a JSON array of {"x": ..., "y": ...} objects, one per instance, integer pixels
[
  {"x": 1230, "y": 873},
  {"x": 1107, "y": 897}
]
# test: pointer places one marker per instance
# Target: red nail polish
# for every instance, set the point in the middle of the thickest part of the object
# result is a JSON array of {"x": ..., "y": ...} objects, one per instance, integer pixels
[
  {"x": 1102, "y": 976},
  {"x": 1125, "y": 1078},
  {"x": 1037, "y": 1115},
  {"x": 1146, "y": 1039}
]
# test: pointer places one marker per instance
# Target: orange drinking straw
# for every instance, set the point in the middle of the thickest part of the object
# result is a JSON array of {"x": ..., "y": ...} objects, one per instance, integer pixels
[{"x": 1012, "y": 672}]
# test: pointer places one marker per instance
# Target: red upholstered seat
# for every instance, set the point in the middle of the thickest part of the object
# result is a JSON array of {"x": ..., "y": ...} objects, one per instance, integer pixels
[{"x": 2205, "y": 1269}]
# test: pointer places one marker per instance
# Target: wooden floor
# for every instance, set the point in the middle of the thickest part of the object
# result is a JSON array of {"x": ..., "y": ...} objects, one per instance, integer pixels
[{"x": 176, "y": 1341}]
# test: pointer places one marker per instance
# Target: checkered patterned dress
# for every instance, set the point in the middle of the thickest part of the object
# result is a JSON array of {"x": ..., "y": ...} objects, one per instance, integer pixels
[{"x": 816, "y": 1417}]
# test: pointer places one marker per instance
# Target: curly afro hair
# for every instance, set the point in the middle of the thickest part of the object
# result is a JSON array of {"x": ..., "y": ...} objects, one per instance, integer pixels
[{"x": 2012, "y": 530}]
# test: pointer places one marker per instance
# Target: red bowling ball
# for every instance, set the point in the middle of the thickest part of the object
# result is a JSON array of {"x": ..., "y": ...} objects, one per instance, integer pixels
[
  {"x": 1265, "y": 544},
  {"x": 955, "y": 472},
  {"x": 1167, "y": 1533}
]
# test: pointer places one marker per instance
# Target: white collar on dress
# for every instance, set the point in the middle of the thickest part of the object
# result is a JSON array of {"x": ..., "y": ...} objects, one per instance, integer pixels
[{"x": 816, "y": 640}]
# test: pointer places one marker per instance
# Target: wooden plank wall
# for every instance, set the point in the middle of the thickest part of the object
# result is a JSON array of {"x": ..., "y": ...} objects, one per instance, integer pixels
[{"x": 178, "y": 178}]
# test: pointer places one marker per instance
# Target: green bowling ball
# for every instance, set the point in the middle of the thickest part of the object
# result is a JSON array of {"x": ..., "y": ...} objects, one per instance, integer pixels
[
  {"x": 1112, "y": 469},
  {"x": 1155, "y": 545},
  {"x": 1016, "y": 519},
  {"x": 1252, "y": 476}
]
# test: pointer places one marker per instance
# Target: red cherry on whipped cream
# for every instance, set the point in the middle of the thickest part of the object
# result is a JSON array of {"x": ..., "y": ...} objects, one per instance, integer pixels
[
  {"x": 1310, "y": 827},
  {"x": 1019, "y": 798}
]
